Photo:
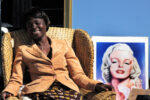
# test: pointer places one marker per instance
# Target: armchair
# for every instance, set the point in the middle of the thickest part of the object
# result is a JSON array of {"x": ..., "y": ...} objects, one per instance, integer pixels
[{"x": 78, "y": 39}]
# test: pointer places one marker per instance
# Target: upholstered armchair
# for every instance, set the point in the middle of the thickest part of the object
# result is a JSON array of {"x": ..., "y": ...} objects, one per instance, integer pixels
[{"x": 78, "y": 39}]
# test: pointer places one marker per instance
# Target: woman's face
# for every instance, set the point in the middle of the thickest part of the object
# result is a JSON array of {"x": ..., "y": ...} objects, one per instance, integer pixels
[
  {"x": 36, "y": 27},
  {"x": 121, "y": 64}
]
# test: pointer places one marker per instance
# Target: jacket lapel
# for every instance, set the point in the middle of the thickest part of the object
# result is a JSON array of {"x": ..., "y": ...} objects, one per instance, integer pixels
[
  {"x": 56, "y": 47},
  {"x": 35, "y": 51},
  {"x": 53, "y": 46}
]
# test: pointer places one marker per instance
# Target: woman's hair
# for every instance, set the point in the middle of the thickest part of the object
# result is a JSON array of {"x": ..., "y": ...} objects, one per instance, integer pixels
[
  {"x": 35, "y": 13},
  {"x": 135, "y": 72}
]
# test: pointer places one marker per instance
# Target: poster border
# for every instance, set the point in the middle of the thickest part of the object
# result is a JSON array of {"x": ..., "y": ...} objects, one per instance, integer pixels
[{"x": 130, "y": 39}]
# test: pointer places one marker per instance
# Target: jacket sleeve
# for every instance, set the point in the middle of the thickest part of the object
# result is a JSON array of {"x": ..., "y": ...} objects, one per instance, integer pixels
[
  {"x": 16, "y": 80},
  {"x": 77, "y": 72}
]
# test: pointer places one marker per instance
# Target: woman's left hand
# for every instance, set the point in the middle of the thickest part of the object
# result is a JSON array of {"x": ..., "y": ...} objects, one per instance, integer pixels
[{"x": 103, "y": 87}]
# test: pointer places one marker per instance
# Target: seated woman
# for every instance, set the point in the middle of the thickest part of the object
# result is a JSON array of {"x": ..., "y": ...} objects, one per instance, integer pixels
[{"x": 54, "y": 69}]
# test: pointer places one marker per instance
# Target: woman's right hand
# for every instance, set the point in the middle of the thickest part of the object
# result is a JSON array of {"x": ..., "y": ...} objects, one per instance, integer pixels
[
  {"x": 5, "y": 95},
  {"x": 103, "y": 87}
]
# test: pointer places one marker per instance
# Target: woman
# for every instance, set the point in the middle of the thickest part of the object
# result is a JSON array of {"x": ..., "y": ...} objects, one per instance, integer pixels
[
  {"x": 54, "y": 69},
  {"x": 121, "y": 70}
]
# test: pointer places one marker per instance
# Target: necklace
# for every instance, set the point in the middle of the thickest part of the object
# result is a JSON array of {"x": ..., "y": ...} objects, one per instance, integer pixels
[{"x": 42, "y": 47}]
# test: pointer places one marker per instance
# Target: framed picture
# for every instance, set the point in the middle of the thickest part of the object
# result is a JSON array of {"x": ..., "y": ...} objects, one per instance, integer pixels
[{"x": 121, "y": 62}]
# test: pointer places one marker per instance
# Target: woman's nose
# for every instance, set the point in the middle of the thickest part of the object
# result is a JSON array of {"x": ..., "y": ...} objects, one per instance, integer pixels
[{"x": 121, "y": 65}]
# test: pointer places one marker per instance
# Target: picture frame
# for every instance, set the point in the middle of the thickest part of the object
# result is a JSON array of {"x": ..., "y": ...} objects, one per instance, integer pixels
[{"x": 139, "y": 45}]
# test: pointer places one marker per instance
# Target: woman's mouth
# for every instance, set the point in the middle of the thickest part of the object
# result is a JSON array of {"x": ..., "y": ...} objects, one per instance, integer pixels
[
  {"x": 35, "y": 32},
  {"x": 120, "y": 71}
]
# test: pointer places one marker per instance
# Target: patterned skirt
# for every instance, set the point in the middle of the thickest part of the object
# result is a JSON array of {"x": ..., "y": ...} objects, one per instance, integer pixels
[{"x": 56, "y": 92}]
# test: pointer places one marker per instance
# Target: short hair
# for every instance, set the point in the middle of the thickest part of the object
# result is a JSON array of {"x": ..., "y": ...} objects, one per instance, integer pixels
[
  {"x": 106, "y": 62},
  {"x": 36, "y": 13}
]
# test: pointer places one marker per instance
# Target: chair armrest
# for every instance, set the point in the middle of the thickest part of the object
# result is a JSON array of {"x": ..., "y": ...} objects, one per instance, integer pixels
[
  {"x": 89, "y": 95},
  {"x": 83, "y": 47},
  {"x": 12, "y": 98},
  {"x": 7, "y": 57}
]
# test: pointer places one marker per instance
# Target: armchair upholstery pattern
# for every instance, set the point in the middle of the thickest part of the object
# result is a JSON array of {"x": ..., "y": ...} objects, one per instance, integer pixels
[{"x": 78, "y": 39}]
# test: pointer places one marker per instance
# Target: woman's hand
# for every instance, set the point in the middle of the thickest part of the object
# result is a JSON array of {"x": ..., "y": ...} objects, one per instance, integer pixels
[
  {"x": 103, "y": 87},
  {"x": 5, "y": 95}
]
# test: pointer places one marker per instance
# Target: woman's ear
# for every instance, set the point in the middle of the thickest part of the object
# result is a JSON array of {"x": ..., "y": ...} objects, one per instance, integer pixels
[
  {"x": 48, "y": 25},
  {"x": 49, "y": 22}
]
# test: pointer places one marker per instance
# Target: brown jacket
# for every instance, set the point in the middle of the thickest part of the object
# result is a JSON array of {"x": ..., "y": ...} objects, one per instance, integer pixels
[{"x": 63, "y": 67}]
